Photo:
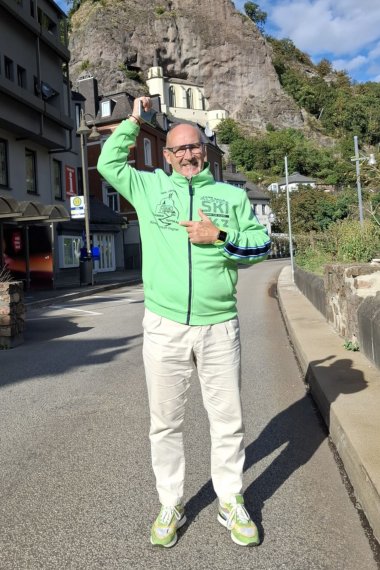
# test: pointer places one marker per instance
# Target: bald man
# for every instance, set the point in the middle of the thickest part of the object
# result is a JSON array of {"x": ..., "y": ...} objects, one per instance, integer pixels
[{"x": 194, "y": 232}]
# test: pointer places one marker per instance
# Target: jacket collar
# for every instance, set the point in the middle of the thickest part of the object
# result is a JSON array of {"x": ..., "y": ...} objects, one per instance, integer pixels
[{"x": 201, "y": 179}]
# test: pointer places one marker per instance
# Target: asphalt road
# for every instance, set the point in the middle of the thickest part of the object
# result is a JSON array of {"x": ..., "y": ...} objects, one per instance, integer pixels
[{"x": 77, "y": 491}]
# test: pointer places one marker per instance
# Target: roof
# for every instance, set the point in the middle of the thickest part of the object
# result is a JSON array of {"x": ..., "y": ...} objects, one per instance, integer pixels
[
  {"x": 100, "y": 213},
  {"x": 102, "y": 218},
  {"x": 234, "y": 176},
  {"x": 297, "y": 178},
  {"x": 184, "y": 82},
  {"x": 254, "y": 192}
]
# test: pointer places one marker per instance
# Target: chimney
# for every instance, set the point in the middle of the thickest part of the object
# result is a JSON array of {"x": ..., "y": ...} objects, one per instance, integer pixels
[{"x": 88, "y": 87}]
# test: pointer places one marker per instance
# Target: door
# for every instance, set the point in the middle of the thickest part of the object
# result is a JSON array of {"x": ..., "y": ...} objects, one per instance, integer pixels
[{"x": 106, "y": 245}]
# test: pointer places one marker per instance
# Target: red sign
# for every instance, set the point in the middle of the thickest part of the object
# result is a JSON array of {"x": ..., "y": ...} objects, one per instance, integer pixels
[
  {"x": 71, "y": 183},
  {"x": 16, "y": 241}
]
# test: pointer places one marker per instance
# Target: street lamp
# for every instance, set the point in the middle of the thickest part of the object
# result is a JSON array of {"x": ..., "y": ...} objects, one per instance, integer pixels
[
  {"x": 289, "y": 218},
  {"x": 357, "y": 159},
  {"x": 92, "y": 134},
  {"x": 271, "y": 220}
]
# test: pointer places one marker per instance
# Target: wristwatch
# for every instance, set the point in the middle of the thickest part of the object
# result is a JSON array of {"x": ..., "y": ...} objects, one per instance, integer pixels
[{"x": 222, "y": 236}]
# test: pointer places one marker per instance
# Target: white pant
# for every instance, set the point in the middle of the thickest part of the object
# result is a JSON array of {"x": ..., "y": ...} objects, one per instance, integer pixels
[{"x": 170, "y": 350}]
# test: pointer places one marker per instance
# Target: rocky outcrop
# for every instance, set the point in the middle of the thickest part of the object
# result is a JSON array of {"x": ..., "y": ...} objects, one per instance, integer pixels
[{"x": 211, "y": 44}]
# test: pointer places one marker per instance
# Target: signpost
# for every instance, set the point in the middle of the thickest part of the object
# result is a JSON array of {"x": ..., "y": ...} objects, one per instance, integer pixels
[{"x": 77, "y": 207}]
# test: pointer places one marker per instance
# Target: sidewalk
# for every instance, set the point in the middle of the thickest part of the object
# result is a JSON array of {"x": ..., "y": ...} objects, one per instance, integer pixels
[
  {"x": 346, "y": 388},
  {"x": 344, "y": 385}
]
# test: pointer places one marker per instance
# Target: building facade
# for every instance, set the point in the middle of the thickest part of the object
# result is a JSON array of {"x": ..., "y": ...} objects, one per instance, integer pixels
[
  {"x": 34, "y": 122},
  {"x": 182, "y": 99},
  {"x": 259, "y": 198}
]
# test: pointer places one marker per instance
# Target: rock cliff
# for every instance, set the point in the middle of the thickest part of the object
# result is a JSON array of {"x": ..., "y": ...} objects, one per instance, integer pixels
[{"x": 209, "y": 43}]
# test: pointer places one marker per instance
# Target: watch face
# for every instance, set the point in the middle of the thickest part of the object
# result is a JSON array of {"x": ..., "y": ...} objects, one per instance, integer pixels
[{"x": 222, "y": 236}]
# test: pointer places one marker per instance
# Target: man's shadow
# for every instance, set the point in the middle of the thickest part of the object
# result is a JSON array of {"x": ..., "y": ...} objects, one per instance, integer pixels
[{"x": 299, "y": 428}]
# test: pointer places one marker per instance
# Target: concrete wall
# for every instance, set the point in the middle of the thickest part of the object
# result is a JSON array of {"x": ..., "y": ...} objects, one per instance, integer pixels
[{"x": 349, "y": 298}]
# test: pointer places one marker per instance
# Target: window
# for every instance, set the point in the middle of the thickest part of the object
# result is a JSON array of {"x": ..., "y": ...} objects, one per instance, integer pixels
[
  {"x": 3, "y": 163},
  {"x": 31, "y": 174},
  {"x": 216, "y": 171},
  {"x": 147, "y": 152},
  {"x": 57, "y": 179},
  {"x": 105, "y": 107},
  {"x": 189, "y": 98},
  {"x": 8, "y": 68},
  {"x": 32, "y": 12},
  {"x": 167, "y": 167},
  {"x": 46, "y": 22},
  {"x": 21, "y": 77},
  {"x": 112, "y": 199},
  {"x": 69, "y": 251},
  {"x": 172, "y": 101},
  {"x": 78, "y": 109}
]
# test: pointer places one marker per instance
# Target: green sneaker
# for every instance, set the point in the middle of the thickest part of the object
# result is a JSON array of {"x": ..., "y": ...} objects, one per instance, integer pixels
[
  {"x": 164, "y": 529},
  {"x": 235, "y": 518}
]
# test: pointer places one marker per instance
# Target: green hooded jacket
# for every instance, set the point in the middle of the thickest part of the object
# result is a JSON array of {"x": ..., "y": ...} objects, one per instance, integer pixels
[{"x": 187, "y": 283}]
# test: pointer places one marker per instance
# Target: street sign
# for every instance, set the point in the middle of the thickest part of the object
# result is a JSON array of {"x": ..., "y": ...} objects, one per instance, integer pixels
[{"x": 77, "y": 207}]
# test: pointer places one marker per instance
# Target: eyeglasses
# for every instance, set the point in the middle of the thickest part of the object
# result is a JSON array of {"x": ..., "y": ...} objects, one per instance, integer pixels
[{"x": 180, "y": 151}]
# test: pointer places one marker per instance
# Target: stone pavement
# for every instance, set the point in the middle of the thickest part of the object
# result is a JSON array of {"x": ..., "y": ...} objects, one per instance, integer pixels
[{"x": 344, "y": 385}]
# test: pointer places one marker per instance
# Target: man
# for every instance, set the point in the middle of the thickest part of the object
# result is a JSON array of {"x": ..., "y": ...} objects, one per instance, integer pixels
[{"x": 194, "y": 232}]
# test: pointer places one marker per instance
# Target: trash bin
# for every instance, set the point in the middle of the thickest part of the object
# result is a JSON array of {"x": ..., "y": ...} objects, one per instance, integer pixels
[{"x": 86, "y": 271}]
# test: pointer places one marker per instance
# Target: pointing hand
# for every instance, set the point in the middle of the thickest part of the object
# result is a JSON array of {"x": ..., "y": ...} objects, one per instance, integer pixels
[{"x": 201, "y": 232}]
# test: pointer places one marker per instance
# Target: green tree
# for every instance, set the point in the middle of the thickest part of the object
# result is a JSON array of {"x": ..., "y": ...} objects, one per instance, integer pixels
[
  {"x": 324, "y": 67},
  {"x": 254, "y": 13},
  {"x": 228, "y": 130},
  {"x": 311, "y": 209}
]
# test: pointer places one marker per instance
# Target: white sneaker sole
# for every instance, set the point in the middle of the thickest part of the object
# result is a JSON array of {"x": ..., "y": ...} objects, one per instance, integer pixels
[
  {"x": 172, "y": 543},
  {"x": 223, "y": 522}
]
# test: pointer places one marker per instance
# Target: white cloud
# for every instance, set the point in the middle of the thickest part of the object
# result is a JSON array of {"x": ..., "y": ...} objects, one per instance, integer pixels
[
  {"x": 349, "y": 64},
  {"x": 375, "y": 52},
  {"x": 341, "y": 27},
  {"x": 347, "y": 32}
]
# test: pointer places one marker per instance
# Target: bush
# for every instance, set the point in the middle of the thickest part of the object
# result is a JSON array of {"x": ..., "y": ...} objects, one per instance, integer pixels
[
  {"x": 343, "y": 242},
  {"x": 356, "y": 243}
]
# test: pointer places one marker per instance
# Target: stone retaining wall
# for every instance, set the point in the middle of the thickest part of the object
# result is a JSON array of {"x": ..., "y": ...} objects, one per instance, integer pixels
[
  {"x": 12, "y": 314},
  {"x": 349, "y": 298}
]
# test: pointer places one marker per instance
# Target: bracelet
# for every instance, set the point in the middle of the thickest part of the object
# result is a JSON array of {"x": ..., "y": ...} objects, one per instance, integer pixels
[{"x": 137, "y": 119}]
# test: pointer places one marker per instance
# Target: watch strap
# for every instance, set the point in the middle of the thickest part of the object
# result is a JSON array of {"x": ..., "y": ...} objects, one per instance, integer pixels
[{"x": 222, "y": 237}]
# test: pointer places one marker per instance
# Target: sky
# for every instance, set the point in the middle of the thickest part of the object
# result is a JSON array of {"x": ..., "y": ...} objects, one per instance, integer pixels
[{"x": 346, "y": 32}]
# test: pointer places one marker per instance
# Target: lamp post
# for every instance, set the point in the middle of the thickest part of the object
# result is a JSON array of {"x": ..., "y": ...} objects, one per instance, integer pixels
[
  {"x": 86, "y": 274},
  {"x": 357, "y": 159},
  {"x": 289, "y": 218}
]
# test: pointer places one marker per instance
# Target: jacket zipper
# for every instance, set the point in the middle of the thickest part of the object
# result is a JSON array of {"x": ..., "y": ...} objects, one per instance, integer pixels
[{"x": 191, "y": 194}]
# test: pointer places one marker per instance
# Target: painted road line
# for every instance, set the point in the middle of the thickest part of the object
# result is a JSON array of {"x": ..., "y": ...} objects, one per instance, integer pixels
[{"x": 74, "y": 309}]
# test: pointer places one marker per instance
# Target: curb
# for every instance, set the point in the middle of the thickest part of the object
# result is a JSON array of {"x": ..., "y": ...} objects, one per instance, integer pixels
[{"x": 346, "y": 389}]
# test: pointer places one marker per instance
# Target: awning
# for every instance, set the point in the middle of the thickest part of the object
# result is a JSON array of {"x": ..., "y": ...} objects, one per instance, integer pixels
[
  {"x": 56, "y": 213},
  {"x": 9, "y": 208},
  {"x": 30, "y": 211}
]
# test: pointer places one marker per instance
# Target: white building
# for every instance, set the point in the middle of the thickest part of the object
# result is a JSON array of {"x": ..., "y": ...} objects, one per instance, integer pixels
[
  {"x": 183, "y": 99},
  {"x": 295, "y": 180}
]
